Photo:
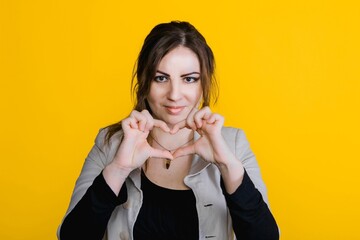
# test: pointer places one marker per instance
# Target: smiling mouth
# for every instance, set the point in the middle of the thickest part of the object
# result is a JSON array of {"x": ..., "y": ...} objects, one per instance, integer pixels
[{"x": 174, "y": 110}]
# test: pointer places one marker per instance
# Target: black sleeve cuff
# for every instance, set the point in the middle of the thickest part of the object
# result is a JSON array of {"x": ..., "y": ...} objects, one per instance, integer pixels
[
  {"x": 245, "y": 197},
  {"x": 102, "y": 190},
  {"x": 250, "y": 215},
  {"x": 90, "y": 216}
]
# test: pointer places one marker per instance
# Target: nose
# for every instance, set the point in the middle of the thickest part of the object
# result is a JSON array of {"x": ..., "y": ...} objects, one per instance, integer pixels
[{"x": 174, "y": 93}]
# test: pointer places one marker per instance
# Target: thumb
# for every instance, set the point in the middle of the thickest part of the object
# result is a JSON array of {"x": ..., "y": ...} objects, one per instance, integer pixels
[
  {"x": 157, "y": 153},
  {"x": 183, "y": 151}
]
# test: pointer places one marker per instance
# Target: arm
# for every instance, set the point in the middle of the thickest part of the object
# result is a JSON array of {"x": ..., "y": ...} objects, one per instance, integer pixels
[
  {"x": 115, "y": 161},
  {"x": 89, "y": 218},
  {"x": 91, "y": 202},
  {"x": 250, "y": 214},
  {"x": 251, "y": 217},
  {"x": 233, "y": 157}
]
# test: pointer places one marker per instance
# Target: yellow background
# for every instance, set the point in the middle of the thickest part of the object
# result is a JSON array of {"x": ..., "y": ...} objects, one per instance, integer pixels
[{"x": 288, "y": 74}]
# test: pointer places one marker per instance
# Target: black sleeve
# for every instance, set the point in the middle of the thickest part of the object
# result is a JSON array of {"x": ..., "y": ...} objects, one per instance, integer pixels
[
  {"x": 250, "y": 215},
  {"x": 89, "y": 218}
]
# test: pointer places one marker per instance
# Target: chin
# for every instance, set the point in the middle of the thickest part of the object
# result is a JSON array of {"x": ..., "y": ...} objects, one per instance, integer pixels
[{"x": 172, "y": 120}]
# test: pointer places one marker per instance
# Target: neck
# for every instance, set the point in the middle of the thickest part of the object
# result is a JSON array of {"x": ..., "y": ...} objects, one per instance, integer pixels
[{"x": 172, "y": 141}]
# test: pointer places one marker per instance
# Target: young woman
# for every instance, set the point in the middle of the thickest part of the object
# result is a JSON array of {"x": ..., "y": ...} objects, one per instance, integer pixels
[{"x": 170, "y": 170}]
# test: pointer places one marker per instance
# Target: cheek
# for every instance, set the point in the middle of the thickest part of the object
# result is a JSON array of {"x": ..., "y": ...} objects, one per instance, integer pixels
[
  {"x": 152, "y": 95},
  {"x": 196, "y": 96}
]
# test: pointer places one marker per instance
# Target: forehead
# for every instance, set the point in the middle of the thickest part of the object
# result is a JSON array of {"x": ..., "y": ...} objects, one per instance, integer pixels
[{"x": 180, "y": 58}]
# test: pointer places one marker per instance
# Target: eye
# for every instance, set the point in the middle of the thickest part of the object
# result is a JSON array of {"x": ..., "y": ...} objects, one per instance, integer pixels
[
  {"x": 191, "y": 79},
  {"x": 160, "y": 78}
]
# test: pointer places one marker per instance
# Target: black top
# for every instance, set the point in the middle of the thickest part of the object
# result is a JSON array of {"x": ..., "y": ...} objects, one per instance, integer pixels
[
  {"x": 166, "y": 214},
  {"x": 251, "y": 217}
]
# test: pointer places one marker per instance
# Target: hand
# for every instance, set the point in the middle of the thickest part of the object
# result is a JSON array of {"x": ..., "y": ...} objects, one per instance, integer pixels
[
  {"x": 211, "y": 146},
  {"x": 134, "y": 149}
]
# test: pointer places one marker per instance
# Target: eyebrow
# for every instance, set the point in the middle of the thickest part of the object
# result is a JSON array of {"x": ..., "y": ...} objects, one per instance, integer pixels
[{"x": 184, "y": 75}]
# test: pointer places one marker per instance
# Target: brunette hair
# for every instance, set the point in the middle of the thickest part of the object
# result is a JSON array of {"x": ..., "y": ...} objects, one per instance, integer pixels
[{"x": 162, "y": 39}]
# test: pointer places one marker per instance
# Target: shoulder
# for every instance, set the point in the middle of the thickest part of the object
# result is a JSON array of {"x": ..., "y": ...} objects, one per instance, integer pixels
[
  {"x": 102, "y": 140},
  {"x": 237, "y": 141},
  {"x": 231, "y": 133},
  {"x": 229, "y": 130}
]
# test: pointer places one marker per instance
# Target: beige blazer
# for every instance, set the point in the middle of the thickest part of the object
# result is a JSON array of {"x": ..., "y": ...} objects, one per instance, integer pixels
[{"x": 203, "y": 179}]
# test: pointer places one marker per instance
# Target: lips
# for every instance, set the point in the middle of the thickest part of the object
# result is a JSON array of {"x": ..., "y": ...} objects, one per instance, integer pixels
[{"x": 174, "y": 110}]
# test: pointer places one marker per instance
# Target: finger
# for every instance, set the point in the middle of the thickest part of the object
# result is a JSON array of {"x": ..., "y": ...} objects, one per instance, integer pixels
[
  {"x": 183, "y": 151},
  {"x": 162, "y": 125},
  {"x": 157, "y": 153},
  {"x": 190, "y": 119},
  {"x": 215, "y": 119},
  {"x": 129, "y": 122},
  {"x": 140, "y": 118},
  {"x": 149, "y": 120},
  {"x": 125, "y": 124},
  {"x": 178, "y": 126},
  {"x": 202, "y": 114}
]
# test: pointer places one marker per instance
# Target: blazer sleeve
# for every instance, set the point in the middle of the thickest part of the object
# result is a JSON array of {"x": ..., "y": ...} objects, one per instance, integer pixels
[
  {"x": 95, "y": 162},
  {"x": 248, "y": 205},
  {"x": 244, "y": 153}
]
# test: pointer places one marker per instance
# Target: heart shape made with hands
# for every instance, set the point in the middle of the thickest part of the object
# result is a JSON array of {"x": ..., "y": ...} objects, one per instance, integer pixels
[
  {"x": 175, "y": 129},
  {"x": 202, "y": 144},
  {"x": 210, "y": 146}
]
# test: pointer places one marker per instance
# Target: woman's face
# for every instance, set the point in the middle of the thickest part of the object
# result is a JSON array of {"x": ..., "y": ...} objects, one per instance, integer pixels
[{"x": 176, "y": 88}]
